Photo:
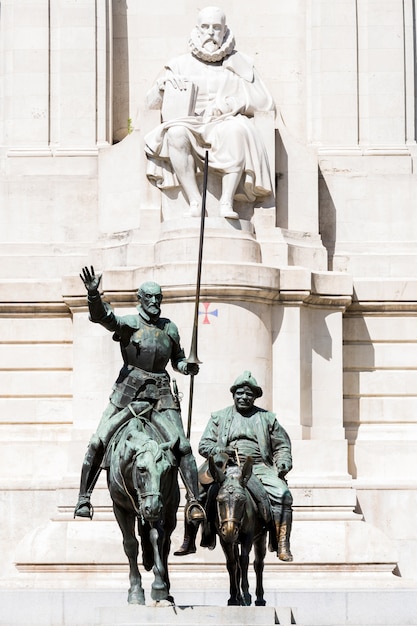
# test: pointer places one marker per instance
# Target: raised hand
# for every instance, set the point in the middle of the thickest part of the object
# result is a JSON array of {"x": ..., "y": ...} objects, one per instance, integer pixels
[{"x": 90, "y": 279}]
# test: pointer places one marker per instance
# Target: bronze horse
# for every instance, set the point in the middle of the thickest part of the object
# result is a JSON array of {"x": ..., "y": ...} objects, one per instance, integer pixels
[
  {"x": 143, "y": 484},
  {"x": 239, "y": 527}
]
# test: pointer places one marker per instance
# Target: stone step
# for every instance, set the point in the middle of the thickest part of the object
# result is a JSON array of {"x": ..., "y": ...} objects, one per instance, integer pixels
[
  {"x": 195, "y": 615},
  {"x": 317, "y": 605}
]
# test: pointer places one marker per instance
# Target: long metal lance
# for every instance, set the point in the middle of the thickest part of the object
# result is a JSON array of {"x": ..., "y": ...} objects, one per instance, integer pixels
[{"x": 193, "y": 358}]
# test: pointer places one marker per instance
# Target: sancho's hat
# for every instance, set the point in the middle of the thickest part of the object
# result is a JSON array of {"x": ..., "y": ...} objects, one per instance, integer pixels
[{"x": 247, "y": 379}]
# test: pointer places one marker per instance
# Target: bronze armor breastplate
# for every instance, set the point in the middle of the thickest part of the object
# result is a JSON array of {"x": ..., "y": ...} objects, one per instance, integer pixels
[{"x": 149, "y": 348}]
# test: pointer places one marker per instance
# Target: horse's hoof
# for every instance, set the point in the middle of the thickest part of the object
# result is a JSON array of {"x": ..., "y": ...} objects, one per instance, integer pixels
[
  {"x": 159, "y": 593},
  {"x": 136, "y": 597},
  {"x": 233, "y": 602},
  {"x": 260, "y": 602}
]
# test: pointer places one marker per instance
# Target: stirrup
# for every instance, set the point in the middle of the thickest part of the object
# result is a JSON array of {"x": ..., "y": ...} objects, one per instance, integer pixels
[
  {"x": 84, "y": 508},
  {"x": 195, "y": 512}
]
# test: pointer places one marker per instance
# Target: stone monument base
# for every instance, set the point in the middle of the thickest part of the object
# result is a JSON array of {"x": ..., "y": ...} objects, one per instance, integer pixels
[{"x": 301, "y": 601}]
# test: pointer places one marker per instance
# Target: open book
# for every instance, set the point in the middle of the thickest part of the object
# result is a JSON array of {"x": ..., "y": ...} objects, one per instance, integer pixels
[{"x": 178, "y": 103}]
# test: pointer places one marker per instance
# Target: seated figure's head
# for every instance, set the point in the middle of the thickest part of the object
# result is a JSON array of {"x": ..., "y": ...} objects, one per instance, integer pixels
[
  {"x": 245, "y": 390},
  {"x": 211, "y": 25},
  {"x": 211, "y": 39}
]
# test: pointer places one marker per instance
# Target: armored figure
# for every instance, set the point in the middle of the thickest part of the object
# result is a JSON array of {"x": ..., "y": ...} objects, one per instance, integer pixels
[
  {"x": 244, "y": 430},
  {"x": 147, "y": 343}
]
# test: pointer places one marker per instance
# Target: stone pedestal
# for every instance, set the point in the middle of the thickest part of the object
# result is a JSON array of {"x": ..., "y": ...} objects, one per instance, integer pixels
[{"x": 231, "y": 241}]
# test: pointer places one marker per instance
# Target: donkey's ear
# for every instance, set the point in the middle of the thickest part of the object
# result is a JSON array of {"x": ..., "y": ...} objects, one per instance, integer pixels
[
  {"x": 247, "y": 470},
  {"x": 216, "y": 472}
]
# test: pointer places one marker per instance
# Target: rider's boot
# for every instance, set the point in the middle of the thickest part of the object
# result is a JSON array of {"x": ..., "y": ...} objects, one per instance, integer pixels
[
  {"x": 283, "y": 536},
  {"x": 274, "y": 527},
  {"x": 194, "y": 512},
  {"x": 190, "y": 533},
  {"x": 89, "y": 476}
]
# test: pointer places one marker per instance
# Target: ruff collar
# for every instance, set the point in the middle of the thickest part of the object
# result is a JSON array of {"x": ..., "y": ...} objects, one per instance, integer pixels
[{"x": 201, "y": 53}]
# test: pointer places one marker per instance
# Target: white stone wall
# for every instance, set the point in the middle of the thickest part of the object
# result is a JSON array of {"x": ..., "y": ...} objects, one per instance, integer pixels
[
  {"x": 379, "y": 416},
  {"x": 73, "y": 79}
]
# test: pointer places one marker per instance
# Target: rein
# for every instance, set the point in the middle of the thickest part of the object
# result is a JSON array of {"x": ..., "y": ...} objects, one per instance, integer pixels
[
  {"x": 137, "y": 511},
  {"x": 141, "y": 494},
  {"x": 236, "y": 521}
]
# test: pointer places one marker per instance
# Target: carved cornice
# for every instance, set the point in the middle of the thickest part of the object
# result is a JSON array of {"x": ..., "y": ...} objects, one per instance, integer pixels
[
  {"x": 377, "y": 308},
  {"x": 34, "y": 309},
  {"x": 221, "y": 282},
  {"x": 222, "y": 293}
]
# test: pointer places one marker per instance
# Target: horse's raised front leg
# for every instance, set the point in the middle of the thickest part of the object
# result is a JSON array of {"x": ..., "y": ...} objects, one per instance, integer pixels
[
  {"x": 258, "y": 565},
  {"x": 159, "y": 587},
  {"x": 126, "y": 521}
]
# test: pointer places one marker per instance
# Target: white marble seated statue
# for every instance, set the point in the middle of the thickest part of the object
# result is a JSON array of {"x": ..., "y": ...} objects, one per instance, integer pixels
[{"x": 219, "y": 91}]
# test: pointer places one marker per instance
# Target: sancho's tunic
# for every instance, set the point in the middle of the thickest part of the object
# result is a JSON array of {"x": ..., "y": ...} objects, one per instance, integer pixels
[{"x": 259, "y": 436}]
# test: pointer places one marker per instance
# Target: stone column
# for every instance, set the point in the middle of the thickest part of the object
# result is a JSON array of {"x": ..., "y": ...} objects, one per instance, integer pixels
[
  {"x": 308, "y": 367},
  {"x": 79, "y": 66},
  {"x": 287, "y": 349},
  {"x": 332, "y": 79},
  {"x": 25, "y": 52},
  {"x": 381, "y": 76}
]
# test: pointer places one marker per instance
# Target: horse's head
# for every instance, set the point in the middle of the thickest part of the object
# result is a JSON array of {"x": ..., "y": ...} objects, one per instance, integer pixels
[
  {"x": 231, "y": 498},
  {"x": 149, "y": 467}
]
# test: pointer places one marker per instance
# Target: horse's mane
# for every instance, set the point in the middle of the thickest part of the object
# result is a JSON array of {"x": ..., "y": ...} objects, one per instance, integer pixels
[
  {"x": 134, "y": 439},
  {"x": 119, "y": 439}
]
